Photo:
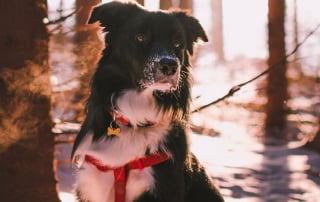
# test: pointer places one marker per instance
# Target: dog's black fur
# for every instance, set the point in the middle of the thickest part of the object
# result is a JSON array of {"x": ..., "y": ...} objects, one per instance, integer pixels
[{"x": 133, "y": 36}]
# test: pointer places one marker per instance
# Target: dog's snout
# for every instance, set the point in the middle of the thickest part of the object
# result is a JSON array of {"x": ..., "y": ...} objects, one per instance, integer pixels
[{"x": 168, "y": 66}]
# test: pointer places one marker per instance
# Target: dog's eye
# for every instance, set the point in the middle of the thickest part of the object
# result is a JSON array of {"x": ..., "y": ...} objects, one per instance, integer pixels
[{"x": 140, "y": 38}]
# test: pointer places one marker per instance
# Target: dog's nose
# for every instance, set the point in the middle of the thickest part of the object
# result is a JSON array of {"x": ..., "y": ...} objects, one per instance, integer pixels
[{"x": 168, "y": 66}]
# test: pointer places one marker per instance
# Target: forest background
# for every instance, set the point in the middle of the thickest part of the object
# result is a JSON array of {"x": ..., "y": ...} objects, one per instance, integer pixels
[{"x": 258, "y": 81}]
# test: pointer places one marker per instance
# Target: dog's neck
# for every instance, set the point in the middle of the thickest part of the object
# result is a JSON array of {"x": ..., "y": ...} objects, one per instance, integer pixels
[{"x": 139, "y": 107}]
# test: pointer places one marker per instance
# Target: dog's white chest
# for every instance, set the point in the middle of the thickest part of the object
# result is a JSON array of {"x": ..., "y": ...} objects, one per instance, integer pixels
[
  {"x": 132, "y": 143},
  {"x": 98, "y": 186}
]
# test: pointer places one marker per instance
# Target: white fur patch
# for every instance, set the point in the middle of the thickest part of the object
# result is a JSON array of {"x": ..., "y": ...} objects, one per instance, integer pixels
[
  {"x": 97, "y": 186},
  {"x": 140, "y": 107}
]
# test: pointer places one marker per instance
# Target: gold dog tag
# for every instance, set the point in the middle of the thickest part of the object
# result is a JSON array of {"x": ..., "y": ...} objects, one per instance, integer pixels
[{"x": 113, "y": 129}]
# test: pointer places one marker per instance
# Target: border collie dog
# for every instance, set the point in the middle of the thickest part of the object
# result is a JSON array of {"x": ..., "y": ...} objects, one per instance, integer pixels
[{"x": 133, "y": 144}]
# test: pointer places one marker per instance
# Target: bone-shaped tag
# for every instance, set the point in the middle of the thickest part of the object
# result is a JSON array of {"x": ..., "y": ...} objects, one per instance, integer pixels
[{"x": 113, "y": 131}]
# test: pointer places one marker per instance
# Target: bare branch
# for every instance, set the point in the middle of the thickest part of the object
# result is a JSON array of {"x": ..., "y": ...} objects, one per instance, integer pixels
[
  {"x": 62, "y": 18},
  {"x": 238, "y": 87}
]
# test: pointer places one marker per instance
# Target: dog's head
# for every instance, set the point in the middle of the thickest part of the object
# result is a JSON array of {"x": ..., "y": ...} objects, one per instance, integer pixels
[{"x": 152, "y": 47}]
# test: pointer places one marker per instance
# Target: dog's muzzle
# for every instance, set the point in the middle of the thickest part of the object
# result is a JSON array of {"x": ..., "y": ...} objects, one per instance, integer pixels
[
  {"x": 162, "y": 73},
  {"x": 168, "y": 66}
]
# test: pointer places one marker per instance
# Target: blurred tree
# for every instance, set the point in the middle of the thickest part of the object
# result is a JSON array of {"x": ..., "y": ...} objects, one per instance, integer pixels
[
  {"x": 165, "y": 4},
  {"x": 296, "y": 64},
  {"x": 141, "y": 2},
  {"x": 277, "y": 81},
  {"x": 86, "y": 41},
  {"x": 26, "y": 141},
  {"x": 186, "y": 4},
  {"x": 217, "y": 29}
]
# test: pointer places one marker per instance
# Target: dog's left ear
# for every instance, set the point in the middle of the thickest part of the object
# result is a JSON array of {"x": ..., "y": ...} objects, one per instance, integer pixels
[
  {"x": 111, "y": 15},
  {"x": 192, "y": 28}
]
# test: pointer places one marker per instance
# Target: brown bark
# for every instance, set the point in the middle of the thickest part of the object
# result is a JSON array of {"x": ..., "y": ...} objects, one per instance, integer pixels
[
  {"x": 141, "y": 2},
  {"x": 165, "y": 4},
  {"x": 277, "y": 81},
  {"x": 186, "y": 4},
  {"x": 26, "y": 141},
  {"x": 296, "y": 65},
  {"x": 217, "y": 29},
  {"x": 86, "y": 41}
]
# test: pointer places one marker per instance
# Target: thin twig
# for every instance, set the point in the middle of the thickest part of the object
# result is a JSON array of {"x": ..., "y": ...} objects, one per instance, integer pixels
[
  {"x": 238, "y": 87},
  {"x": 62, "y": 18}
]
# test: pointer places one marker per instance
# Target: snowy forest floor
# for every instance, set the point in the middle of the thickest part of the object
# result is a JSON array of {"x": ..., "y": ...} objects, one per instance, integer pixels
[
  {"x": 244, "y": 169},
  {"x": 228, "y": 137}
]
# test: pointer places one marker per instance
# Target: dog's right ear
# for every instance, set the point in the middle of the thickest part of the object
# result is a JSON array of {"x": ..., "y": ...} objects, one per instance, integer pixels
[
  {"x": 193, "y": 29},
  {"x": 112, "y": 14}
]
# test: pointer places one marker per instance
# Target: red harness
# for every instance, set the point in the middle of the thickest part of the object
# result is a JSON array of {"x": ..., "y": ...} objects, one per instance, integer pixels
[{"x": 121, "y": 173}]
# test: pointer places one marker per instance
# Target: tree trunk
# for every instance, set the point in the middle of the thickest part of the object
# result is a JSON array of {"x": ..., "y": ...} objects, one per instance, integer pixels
[
  {"x": 86, "y": 41},
  {"x": 141, "y": 2},
  {"x": 296, "y": 63},
  {"x": 165, "y": 4},
  {"x": 217, "y": 29},
  {"x": 26, "y": 141},
  {"x": 277, "y": 81},
  {"x": 186, "y": 4}
]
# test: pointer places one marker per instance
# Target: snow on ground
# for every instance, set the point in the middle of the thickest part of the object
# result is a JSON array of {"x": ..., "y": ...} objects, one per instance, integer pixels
[
  {"x": 247, "y": 170},
  {"x": 243, "y": 168}
]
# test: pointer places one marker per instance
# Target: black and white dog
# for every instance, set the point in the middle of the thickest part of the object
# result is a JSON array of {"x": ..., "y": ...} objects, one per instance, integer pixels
[{"x": 133, "y": 144}]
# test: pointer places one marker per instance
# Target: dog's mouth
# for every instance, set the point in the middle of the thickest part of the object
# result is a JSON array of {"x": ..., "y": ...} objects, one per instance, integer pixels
[
  {"x": 161, "y": 74},
  {"x": 167, "y": 83}
]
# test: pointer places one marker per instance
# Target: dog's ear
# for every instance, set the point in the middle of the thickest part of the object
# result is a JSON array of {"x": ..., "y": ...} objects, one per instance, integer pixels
[
  {"x": 112, "y": 14},
  {"x": 193, "y": 29}
]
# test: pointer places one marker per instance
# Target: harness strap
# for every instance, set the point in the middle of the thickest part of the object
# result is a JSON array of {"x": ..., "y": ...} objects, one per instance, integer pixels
[{"x": 121, "y": 173}]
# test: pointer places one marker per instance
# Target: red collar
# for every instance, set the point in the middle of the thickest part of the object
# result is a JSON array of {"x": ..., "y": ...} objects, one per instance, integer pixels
[
  {"x": 125, "y": 121},
  {"x": 121, "y": 173},
  {"x": 118, "y": 117}
]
